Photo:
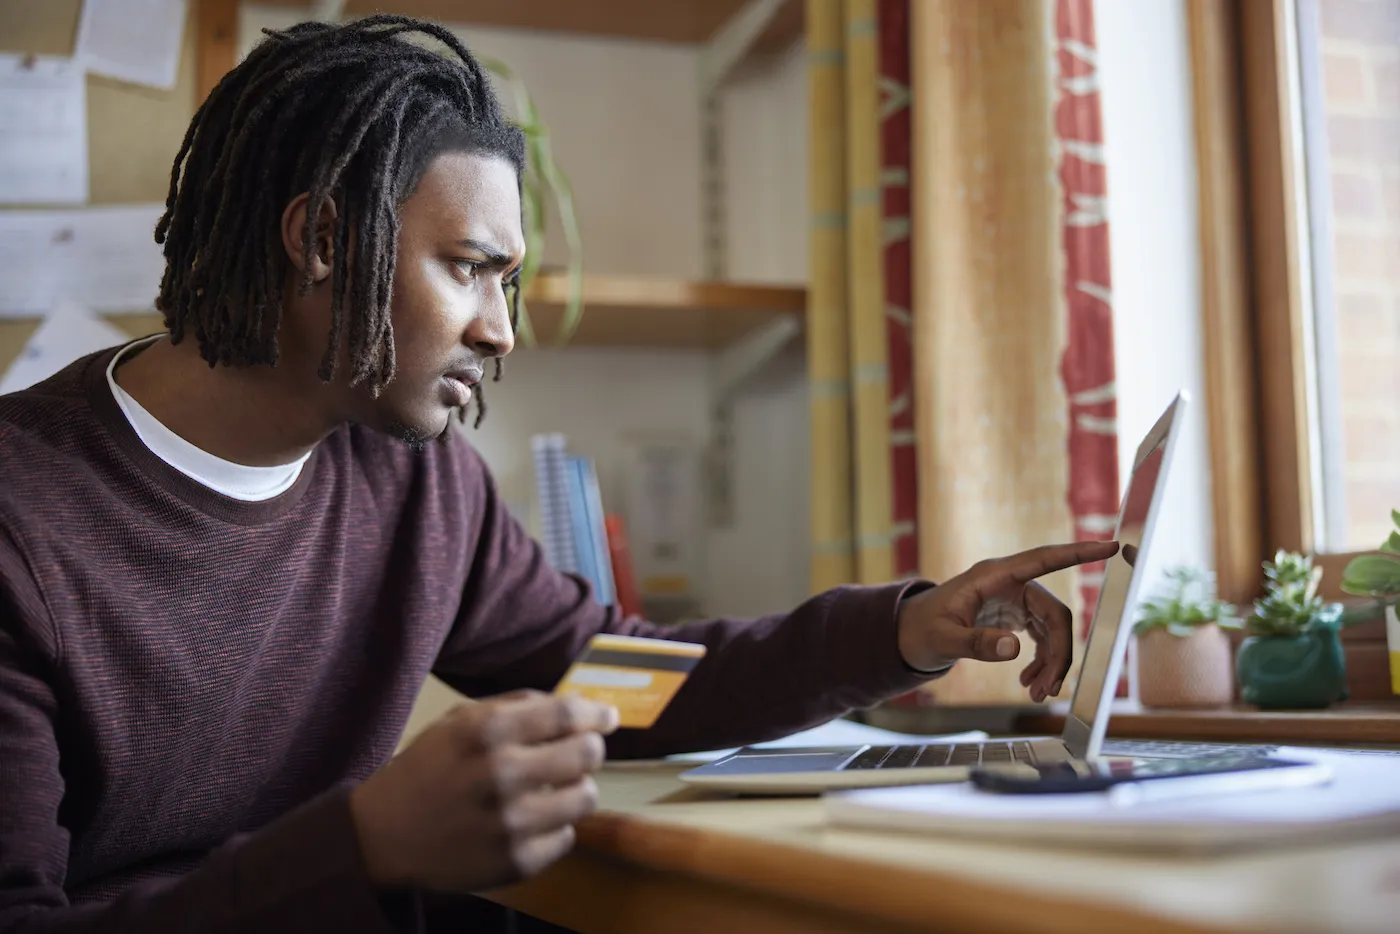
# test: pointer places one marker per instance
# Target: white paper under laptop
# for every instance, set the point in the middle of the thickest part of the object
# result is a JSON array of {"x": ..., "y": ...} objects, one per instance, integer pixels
[
  {"x": 812, "y": 770},
  {"x": 1363, "y": 798},
  {"x": 837, "y": 732}
]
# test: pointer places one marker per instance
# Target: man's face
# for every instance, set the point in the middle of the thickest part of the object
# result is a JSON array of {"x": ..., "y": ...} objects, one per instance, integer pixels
[{"x": 459, "y": 239}]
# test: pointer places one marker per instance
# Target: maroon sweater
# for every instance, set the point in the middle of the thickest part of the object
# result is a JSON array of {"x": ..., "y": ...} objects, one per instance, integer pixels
[{"x": 189, "y": 683}]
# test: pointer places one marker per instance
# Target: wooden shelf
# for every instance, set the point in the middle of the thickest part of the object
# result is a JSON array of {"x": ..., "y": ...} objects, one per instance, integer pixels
[
  {"x": 678, "y": 21},
  {"x": 653, "y": 312},
  {"x": 618, "y": 311}
]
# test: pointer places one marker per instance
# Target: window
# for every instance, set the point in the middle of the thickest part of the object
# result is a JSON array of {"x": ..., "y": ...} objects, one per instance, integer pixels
[
  {"x": 1348, "y": 60},
  {"x": 1298, "y": 152}
]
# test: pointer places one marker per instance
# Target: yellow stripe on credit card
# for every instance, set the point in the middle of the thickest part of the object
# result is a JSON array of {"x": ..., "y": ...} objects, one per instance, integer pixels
[{"x": 637, "y": 676}]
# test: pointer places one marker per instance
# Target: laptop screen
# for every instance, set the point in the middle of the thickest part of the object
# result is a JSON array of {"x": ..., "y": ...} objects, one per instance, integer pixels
[{"x": 1109, "y": 618}]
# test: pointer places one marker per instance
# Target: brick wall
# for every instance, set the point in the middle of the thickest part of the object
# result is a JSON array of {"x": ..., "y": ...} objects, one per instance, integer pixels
[{"x": 1361, "y": 77}]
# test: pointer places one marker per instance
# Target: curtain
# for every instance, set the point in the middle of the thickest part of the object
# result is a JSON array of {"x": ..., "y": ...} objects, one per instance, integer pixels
[
  {"x": 1087, "y": 367},
  {"x": 864, "y": 466},
  {"x": 828, "y": 320},
  {"x": 960, "y": 340}
]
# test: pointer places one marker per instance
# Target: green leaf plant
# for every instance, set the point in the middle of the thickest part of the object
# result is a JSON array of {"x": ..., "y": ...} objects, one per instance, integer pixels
[
  {"x": 541, "y": 181},
  {"x": 1377, "y": 575},
  {"x": 1291, "y": 605}
]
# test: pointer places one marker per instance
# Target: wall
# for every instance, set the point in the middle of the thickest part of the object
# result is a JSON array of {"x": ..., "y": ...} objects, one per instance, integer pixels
[
  {"x": 133, "y": 131},
  {"x": 1144, "y": 67}
]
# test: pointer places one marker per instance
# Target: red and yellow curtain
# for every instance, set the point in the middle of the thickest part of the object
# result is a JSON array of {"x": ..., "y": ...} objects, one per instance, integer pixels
[{"x": 960, "y": 339}]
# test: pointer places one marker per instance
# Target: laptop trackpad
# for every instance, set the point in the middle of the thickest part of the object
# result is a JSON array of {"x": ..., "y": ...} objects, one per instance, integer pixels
[{"x": 766, "y": 762}]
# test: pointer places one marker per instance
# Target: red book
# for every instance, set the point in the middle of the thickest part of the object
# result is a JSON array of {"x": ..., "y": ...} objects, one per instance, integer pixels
[{"x": 629, "y": 602}]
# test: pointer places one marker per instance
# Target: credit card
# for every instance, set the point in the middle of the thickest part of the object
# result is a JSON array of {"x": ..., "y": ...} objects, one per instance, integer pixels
[{"x": 637, "y": 676}]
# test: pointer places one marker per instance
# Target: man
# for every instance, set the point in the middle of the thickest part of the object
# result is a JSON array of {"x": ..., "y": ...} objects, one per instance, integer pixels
[{"x": 224, "y": 576}]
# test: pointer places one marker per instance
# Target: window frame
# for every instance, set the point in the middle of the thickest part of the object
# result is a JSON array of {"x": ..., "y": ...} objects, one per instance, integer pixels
[{"x": 1255, "y": 312}]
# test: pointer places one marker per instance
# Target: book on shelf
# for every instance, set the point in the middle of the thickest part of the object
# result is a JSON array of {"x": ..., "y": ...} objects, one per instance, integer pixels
[
  {"x": 577, "y": 535},
  {"x": 590, "y": 536},
  {"x": 550, "y": 453},
  {"x": 629, "y": 599}
]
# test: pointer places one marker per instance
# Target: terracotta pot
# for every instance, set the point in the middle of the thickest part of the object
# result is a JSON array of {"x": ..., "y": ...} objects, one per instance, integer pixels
[{"x": 1185, "y": 671}]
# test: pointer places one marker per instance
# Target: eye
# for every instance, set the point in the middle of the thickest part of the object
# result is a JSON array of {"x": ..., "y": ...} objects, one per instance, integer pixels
[{"x": 469, "y": 267}]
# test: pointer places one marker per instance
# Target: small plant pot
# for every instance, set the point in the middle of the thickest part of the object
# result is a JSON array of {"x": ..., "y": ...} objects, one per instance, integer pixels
[
  {"x": 1185, "y": 671},
  {"x": 1306, "y": 672}
]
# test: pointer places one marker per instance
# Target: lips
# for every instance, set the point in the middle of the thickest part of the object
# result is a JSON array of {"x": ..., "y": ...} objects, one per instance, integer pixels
[
  {"x": 457, "y": 383},
  {"x": 469, "y": 377}
]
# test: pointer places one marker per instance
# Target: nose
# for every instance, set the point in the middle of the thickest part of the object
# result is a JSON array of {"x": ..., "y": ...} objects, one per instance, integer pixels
[{"x": 490, "y": 333}]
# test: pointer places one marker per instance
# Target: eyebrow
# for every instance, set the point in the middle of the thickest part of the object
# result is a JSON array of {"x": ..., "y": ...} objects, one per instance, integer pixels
[{"x": 494, "y": 255}]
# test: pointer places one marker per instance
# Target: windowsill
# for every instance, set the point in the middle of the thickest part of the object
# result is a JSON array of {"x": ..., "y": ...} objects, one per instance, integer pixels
[{"x": 1345, "y": 724}]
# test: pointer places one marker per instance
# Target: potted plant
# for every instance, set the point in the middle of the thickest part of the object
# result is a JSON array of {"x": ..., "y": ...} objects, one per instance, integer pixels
[
  {"x": 1378, "y": 576},
  {"x": 1293, "y": 657},
  {"x": 1183, "y": 651},
  {"x": 541, "y": 182}
]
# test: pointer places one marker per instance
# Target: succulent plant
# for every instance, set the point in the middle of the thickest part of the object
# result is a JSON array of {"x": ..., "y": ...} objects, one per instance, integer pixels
[
  {"x": 1290, "y": 605},
  {"x": 1186, "y": 602}
]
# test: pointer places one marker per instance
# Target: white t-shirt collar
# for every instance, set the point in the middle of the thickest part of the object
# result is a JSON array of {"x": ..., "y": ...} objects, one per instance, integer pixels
[{"x": 239, "y": 481}]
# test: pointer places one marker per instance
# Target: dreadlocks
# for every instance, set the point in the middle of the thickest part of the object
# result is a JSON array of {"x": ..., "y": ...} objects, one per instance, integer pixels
[{"x": 350, "y": 114}]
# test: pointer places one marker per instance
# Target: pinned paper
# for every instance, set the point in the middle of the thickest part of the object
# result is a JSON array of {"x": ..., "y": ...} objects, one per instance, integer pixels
[
  {"x": 132, "y": 40},
  {"x": 103, "y": 258},
  {"x": 70, "y": 332},
  {"x": 43, "y": 131}
]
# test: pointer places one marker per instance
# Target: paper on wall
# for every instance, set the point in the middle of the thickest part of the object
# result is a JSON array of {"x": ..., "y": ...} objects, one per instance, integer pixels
[
  {"x": 69, "y": 332},
  {"x": 102, "y": 258},
  {"x": 133, "y": 40},
  {"x": 43, "y": 131},
  {"x": 663, "y": 515}
]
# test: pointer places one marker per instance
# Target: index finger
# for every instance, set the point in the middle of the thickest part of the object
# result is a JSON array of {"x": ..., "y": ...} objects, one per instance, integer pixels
[
  {"x": 1022, "y": 568},
  {"x": 540, "y": 718}
]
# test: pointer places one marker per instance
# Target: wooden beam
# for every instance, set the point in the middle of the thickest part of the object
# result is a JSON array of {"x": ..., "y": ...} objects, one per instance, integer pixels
[
  {"x": 1275, "y": 255},
  {"x": 688, "y": 22},
  {"x": 1231, "y": 376},
  {"x": 216, "y": 49}
]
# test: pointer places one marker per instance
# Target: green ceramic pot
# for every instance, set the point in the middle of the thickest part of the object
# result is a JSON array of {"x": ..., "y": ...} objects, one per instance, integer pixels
[{"x": 1306, "y": 672}]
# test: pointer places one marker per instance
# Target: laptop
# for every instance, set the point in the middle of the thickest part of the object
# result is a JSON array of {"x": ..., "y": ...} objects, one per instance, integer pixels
[{"x": 812, "y": 770}]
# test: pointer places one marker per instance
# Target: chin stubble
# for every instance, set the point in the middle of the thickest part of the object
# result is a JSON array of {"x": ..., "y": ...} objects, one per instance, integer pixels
[{"x": 417, "y": 439}]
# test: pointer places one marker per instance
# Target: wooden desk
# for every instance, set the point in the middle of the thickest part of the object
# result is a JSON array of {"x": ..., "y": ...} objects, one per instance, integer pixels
[{"x": 662, "y": 858}]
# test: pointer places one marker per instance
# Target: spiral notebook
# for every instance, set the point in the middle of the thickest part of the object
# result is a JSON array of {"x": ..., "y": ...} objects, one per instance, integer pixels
[{"x": 573, "y": 528}]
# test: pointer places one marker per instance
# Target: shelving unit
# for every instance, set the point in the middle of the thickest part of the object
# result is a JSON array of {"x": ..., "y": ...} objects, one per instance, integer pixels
[
  {"x": 742, "y": 326},
  {"x": 619, "y": 310}
]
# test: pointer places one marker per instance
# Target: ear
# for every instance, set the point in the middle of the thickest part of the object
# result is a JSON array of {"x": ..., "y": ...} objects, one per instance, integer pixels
[{"x": 318, "y": 261}]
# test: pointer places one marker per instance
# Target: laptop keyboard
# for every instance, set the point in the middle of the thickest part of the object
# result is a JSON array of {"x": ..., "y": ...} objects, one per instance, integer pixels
[{"x": 935, "y": 756}]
